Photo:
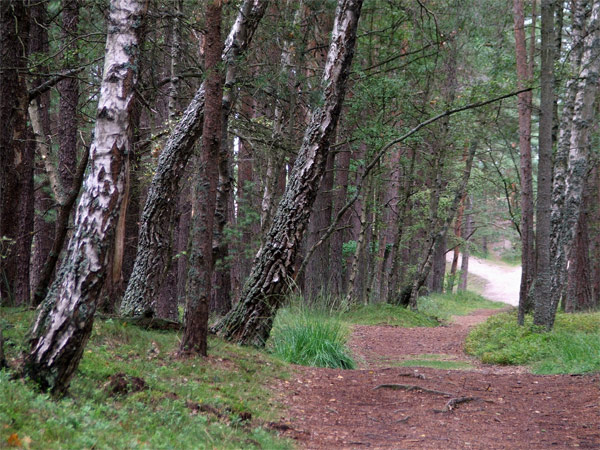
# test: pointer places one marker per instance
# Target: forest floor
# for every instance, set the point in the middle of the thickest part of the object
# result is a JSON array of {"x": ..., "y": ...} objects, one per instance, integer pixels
[{"x": 417, "y": 389}]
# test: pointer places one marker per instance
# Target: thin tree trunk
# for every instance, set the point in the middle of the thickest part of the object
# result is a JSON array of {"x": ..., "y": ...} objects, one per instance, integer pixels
[
  {"x": 524, "y": 75},
  {"x": 201, "y": 264},
  {"x": 16, "y": 159},
  {"x": 64, "y": 321},
  {"x": 157, "y": 215},
  {"x": 468, "y": 231},
  {"x": 250, "y": 321},
  {"x": 544, "y": 198}
]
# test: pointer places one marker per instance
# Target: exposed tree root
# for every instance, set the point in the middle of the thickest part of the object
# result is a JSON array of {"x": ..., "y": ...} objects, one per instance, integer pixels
[
  {"x": 454, "y": 402},
  {"x": 411, "y": 387}
]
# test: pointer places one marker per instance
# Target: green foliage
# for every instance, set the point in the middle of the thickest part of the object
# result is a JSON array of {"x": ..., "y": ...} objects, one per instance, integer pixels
[
  {"x": 310, "y": 338},
  {"x": 444, "y": 306},
  {"x": 572, "y": 347},
  {"x": 232, "y": 382}
]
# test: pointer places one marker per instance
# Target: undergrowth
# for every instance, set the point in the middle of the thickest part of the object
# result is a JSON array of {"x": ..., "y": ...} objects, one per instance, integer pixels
[
  {"x": 218, "y": 402},
  {"x": 311, "y": 337},
  {"x": 573, "y": 346}
]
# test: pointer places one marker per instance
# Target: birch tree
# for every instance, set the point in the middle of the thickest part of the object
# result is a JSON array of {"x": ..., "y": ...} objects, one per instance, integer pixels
[
  {"x": 250, "y": 321},
  {"x": 571, "y": 162},
  {"x": 65, "y": 318}
]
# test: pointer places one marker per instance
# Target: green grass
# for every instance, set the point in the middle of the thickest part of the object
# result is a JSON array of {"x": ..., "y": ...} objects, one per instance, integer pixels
[
  {"x": 573, "y": 346},
  {"x": 311, "y": 338},
  {"x": 233, "y": 381},
  {"x": 386, "y": 314},
  {"x": 444, "y": 306},
  {"x": 436, "y": 361}
]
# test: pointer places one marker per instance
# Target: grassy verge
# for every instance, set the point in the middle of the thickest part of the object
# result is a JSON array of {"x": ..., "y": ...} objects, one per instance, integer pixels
[
  {"x": 218, "y": 402},
  {"x": 572, "y": 347}
]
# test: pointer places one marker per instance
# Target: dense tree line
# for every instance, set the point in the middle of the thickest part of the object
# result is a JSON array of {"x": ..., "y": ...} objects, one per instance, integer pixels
[{"x": 212, "y": 157}]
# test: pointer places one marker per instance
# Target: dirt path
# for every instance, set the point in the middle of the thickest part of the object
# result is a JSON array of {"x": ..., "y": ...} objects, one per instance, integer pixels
[
  {"x": 502, "y": 280},
  {"x": 503, "y": 408}
]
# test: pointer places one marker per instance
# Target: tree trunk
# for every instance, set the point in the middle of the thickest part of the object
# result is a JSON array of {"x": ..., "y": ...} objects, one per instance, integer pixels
[
  {"x": 43, "y": 227},
  {"x": 468, "y": 231},
  {"x": 157, "y": 215},
  {"x": 336, "y": 262},
  {"x": 64, "y": 321},
  {"x": 250, "y": 321},
  {"x": 544, "y": 197},
  {"x": 524, "y": 76},
  {"x": 571, "y": 164},
  {"x": 199, "y": 283},
  {"x": 16, "y": 160},
  {"x": 317, "y": 273},
  {"x": 579, "y": 287}
]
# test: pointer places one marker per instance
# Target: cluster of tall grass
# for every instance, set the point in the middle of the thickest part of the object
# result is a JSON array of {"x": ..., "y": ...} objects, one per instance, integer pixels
[{"x": 573, "y": 346}]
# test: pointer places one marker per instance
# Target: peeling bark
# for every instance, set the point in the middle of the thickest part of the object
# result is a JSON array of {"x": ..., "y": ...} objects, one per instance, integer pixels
[{"x": 64, "y": 321}]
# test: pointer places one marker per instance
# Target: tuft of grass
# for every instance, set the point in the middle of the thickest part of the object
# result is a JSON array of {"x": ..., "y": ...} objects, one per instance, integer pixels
[
  {"x": 232, "y": 382},
  {"x": 310, "y": 338},
  {"x": 444, "y": 306},
  {"x": 386, "y": 314},
  {"x": 573, "y": 346}
]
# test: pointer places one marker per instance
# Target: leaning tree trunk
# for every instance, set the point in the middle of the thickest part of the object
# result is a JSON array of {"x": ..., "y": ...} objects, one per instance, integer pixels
[
  {"x": 65, "y": 318},
  {"x": 251, "y": 319},
  {"x": 157, "y": 215},
  {"x": 572, "y": 166}
]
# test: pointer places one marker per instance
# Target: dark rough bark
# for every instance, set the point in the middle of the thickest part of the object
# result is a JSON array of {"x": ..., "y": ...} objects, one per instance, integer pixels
[
  {"x": 16, "y": 158},
  {"x": 69, "y": 98},
  {"x": 250, "y": 321},
  {"x": 65, "y": 318},
  {"x": 157, "y": 214},
  {"x": 544, "y": 197},
  {"x": 199, "y": 283},
  {"x": 579, "y": 287}
]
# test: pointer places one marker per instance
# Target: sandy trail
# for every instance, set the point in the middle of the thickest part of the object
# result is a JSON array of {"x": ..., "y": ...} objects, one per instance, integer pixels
[{"x": 502, "y": 280}]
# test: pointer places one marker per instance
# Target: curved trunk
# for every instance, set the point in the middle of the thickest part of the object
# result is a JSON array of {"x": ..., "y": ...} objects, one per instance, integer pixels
[{"x": 251, "y": 320}]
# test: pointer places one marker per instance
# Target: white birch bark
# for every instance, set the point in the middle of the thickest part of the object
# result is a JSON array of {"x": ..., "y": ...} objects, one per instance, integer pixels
[
  {"x": 64, "y": 321},
  {"x": 572, "y": 159}
]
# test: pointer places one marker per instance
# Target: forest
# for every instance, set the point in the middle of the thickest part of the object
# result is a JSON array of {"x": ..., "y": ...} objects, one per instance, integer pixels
[{"x": 184, "y": 182}]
